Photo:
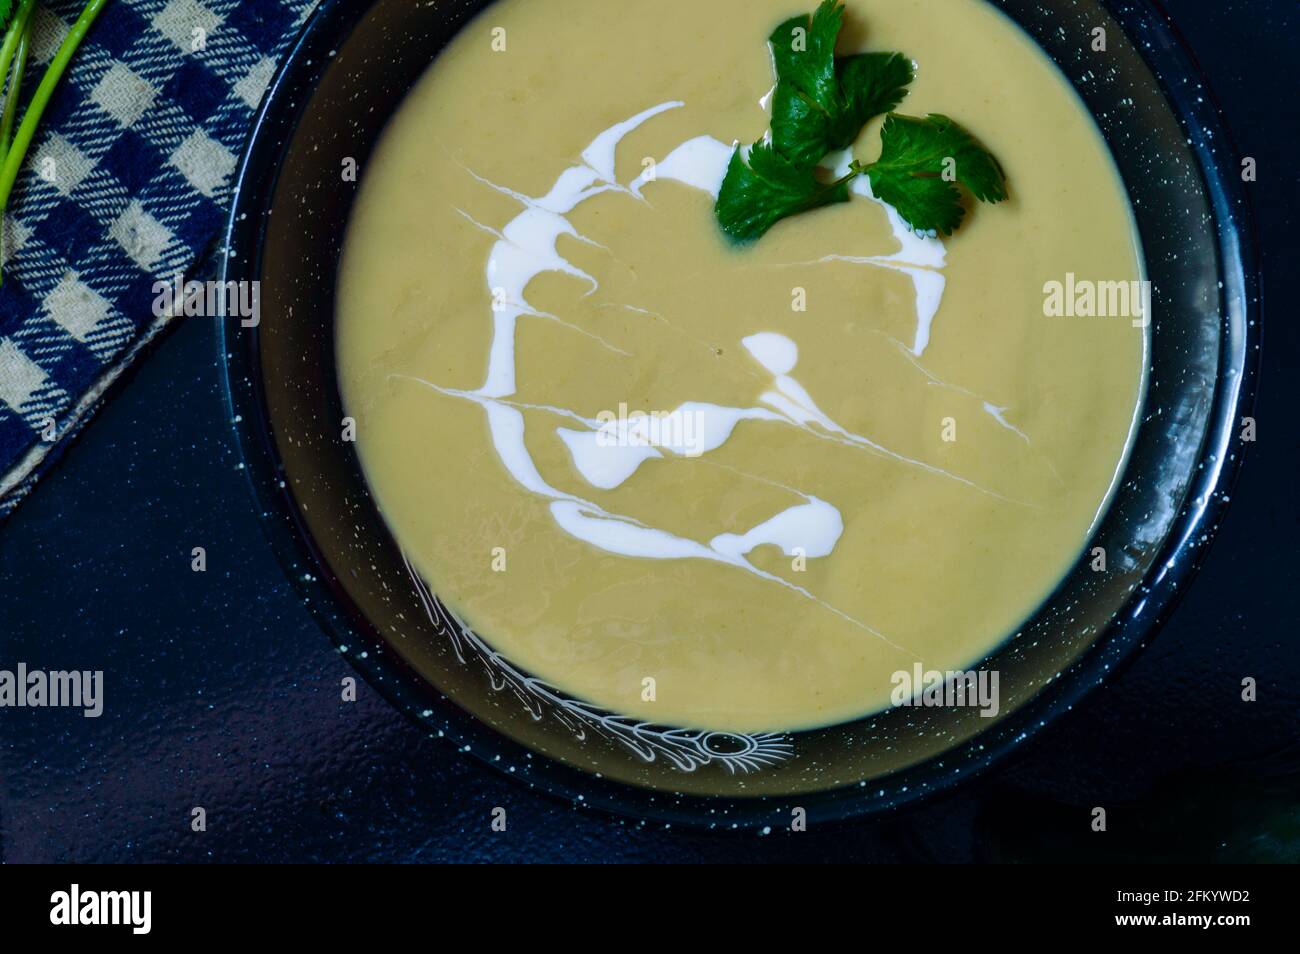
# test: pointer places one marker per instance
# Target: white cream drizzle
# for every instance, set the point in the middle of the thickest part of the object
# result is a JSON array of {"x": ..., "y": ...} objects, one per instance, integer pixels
[{"x": 527, "y": 247}]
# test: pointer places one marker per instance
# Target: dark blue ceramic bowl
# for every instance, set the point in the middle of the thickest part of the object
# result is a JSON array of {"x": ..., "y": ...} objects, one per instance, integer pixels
[{"x": 344, "y": 78}]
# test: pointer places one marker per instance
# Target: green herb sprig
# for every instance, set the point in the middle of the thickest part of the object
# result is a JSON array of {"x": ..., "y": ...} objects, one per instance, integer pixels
[
  {"x": 17, "y": 25},
  {"x": 819, "y": 106}
]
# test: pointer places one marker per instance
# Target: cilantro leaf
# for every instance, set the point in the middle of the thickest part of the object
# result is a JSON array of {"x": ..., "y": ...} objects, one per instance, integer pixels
[
  {"x": 759, "y": 192},
  {"x": 873, "y": 84},
  {"x": 821, "y": 103},
  {"x": 922, "y": 161},
  {"x": 804, "y": 130},
  {"x": 803, "y": 49},
  {"x": 800, "y": 128}
]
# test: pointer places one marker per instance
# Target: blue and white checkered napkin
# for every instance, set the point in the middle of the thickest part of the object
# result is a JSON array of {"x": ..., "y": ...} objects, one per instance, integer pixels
[{"x": 125, "y": 186}]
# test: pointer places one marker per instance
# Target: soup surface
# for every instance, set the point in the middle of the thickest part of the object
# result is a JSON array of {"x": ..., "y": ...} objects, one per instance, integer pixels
[{"x": 871, "y": 450}]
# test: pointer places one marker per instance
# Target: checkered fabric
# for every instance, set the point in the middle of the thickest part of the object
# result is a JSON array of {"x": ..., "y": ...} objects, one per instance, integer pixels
[{"x": 124, "y": 186}]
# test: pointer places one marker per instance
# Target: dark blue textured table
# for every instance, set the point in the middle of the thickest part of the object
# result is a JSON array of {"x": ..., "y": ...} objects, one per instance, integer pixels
[{"x": 223, "y": 693}]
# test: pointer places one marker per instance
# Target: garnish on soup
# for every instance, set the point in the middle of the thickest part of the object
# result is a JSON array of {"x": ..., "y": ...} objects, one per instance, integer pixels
[{"x": 820, "y": 105}]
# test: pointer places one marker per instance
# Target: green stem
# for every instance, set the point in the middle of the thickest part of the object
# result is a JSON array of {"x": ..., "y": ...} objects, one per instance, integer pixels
[
  {"x": 15, "y": 43},
  {"x": 13, "y": 159},
  {"x": 17, "y": 28},
  {"x": 15, "y": 80}
]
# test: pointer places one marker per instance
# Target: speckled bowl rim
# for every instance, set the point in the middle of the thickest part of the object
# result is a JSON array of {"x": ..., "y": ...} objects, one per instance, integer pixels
[{"x": 1166, "y": 54}]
